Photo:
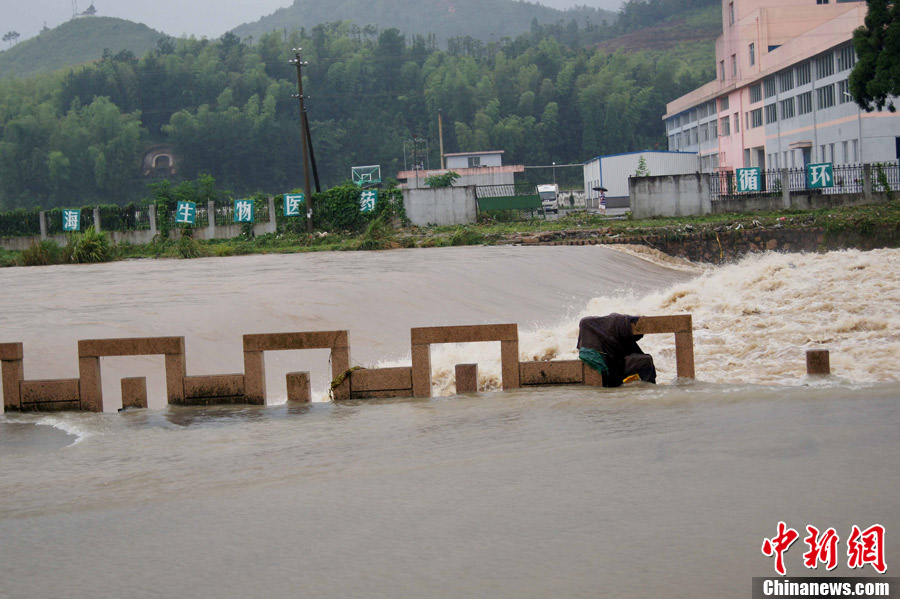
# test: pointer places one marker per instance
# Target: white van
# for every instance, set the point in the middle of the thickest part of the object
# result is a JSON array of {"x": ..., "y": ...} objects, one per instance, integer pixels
[{"x": 549, "y": 197}]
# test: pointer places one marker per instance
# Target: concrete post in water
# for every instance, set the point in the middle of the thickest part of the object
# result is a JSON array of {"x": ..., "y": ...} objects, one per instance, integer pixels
[
  {"x": 97, "y": 218},
  {"x": 211, "y": 216},
  {"x": 134, "y": 392},
  {"x": 467, "y": 378},
  {"x": 12, "y": 370},
  {"x": 867, "y": 181},
  {"x": 298, "y": 387},
  {"x": 786, "y": 188},
  {"x": 152, "y": 212},
  {"x": 818, "y": 362},
  {"x": 42, "y": 219}
]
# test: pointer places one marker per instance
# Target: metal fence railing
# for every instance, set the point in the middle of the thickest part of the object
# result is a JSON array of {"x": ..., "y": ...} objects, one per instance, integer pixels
[{"x": 845, "y": 178}]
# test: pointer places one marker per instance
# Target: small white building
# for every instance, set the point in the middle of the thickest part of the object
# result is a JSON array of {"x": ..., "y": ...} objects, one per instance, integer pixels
[
  {"x": 612, "y": 172},
  {"x": 473, "y": 168}
]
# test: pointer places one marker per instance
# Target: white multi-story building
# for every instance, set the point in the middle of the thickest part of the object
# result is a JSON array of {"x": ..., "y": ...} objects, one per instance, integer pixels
[{"x": 781, "y": 96}]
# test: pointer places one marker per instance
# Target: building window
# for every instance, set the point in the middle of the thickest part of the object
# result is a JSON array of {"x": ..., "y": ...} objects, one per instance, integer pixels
[
  {"x": 787, "y": 108},
  {"x": 821, "y": 1},
  {"x": 755, "y": 93},
  {"x": 752, "y": 54},
  {"x": 855, "y": 144},
  {"x": 725, "y": 128},
  {"x": 846, "y": 58},
  {"x": 734, "y": 65},
  {"x": 825, "y": 66},
  {"x": 723, "y": 103},
  {"x": 474, "y": 161},
  {"x": 713, "y": 129},
  {"x": 731, "y": 13},
  {"x": 769, "y": 86},
  {"x": 694, "y": 136},
  {"x": 756, "y": 118},
  {"x": 822, "y": 157},
  {"x": 672, "y": 144},
  {"x": 737, "y": 122},
  {"x": 771, "y": 113},
  {"x": 825, "y": 97},
  {"x": 786, "y": 81},
  {"x": 844, "y": 92},
  {"x": 722, "y": 70},
  {"x": 803, "y": 74},
  {"x": 846, "y": 152},
  {"x": 804, "y": 103}
]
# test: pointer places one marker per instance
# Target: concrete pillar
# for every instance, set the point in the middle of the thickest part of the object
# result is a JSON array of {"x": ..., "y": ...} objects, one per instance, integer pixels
[
  {"x": 684, "y": 354},
  {"x": 340, "y": 364},
  {"x": 152, "y": 212},
  {"x": 12, "y": 372},
  {"x": 211, "y": 215},
  {"x": 467, "y": 378},
  {"x": 134, "y": 392},
  {"x": 867, "y": 181},
  {"x": 42, "y": 219},
  {"x": 509, "y": 364},
  {"x": 97, "y": 218},
  {"x": 786, "y": 188},
  {"x": 176, "y": 370},
  {"x": 298, "y": 387},
  {"x": 421, "y": 370},
  {"x": 255, "y": 377},
  {"x": 89, "y": 383},
  {"x": 818, "y": 362}
]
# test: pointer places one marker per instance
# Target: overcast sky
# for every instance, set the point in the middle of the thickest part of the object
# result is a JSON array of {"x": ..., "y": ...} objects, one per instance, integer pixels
[{"x": 210, "y": 18}]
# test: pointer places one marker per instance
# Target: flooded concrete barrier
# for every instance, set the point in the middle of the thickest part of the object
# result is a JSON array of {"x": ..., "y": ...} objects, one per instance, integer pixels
[
  {"x": 85, "y": 393},
  {"x": 254, "y": 362},
  {"x": 466, "y": 378},
  {"x": 91, "y": 350},
  {"x": 818, "y": 362},
  {"x": 423, "y": 337},
  {"x": 559, "y": 372},
  {"x": 375, "y": 383},
  {"x": 55, "y": 395},
  {"x": 682, "y": 326},
  {"x": 213, "y": 389}
]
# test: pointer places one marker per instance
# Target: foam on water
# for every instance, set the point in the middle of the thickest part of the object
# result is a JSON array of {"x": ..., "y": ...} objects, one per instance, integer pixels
[
  {"x": 753, "y": 322},
  {"x": 68, "y": 424}
]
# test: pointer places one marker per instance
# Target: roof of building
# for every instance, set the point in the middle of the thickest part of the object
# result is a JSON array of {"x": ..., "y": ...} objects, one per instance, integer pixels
[{"x": 474, "y": 153}]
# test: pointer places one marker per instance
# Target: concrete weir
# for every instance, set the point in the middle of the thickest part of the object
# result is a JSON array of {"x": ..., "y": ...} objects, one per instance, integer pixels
[{"x": 85, "y": 393}]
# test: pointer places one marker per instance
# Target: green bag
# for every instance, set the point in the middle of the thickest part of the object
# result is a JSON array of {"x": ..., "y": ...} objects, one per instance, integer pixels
[{"x": 594, "y": 359}]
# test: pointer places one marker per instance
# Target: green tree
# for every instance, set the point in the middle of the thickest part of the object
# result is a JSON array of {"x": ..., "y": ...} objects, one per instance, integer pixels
[{"x": 876, "y": 76}]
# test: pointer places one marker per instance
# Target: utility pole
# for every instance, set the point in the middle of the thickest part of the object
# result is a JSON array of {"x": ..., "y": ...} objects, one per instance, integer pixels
[
  {"x": 305, "y": 140},
  {"x": 441, "y": 136}
]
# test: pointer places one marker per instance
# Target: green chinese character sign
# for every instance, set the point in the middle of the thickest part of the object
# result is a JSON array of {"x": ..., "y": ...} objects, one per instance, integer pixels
[
  {"x": 71, "y": 220},
  {"x": 819, "y": 175},
  {"x": 748, "y": 179},
  {"x": 243, "y": 211},
  {"x": 367, "y": 200},
  {"x": 186, "y": 213},
  {"x": 292, "y": 203}
]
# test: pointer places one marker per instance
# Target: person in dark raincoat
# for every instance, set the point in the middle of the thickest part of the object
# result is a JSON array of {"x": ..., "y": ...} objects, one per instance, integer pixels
[{"x": 607, "y": 345}]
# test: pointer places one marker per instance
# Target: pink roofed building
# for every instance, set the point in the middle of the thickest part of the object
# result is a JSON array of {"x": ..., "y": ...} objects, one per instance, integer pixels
[{"x": 781, "y": 96}]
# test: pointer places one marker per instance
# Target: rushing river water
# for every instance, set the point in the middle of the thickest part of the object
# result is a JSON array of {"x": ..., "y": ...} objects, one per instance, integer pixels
[{"x": 643, "y": 491}]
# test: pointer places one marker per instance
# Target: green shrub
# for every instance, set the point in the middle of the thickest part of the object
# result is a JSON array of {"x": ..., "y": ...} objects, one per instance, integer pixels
[
  {"x": 41, "y": 254},
  {"x": 89, "y": 247},
  {"x": 378, "y": 236},
  {"x": 187, "y": 247},
  {"x": 466, "y": 236}
]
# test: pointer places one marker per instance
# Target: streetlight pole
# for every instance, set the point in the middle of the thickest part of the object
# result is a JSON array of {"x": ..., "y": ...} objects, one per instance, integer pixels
[{"x": 304, "y": 141}]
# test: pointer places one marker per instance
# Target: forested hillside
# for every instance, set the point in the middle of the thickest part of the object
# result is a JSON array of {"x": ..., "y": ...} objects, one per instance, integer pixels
[
  {"x": 76, "y": 42},
  {"x": 228, "y": 108},
  {"x": 483, "y": 20}
]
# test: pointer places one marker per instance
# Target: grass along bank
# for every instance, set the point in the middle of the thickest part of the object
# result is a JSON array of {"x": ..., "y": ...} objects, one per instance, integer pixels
[{"x": 862, "y": 225}]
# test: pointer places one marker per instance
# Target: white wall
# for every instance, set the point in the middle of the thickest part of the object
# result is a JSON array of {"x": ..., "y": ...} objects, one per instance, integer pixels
[
  {"x": 670, "y": 195},
  {"x": 443, "y": 206}
]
